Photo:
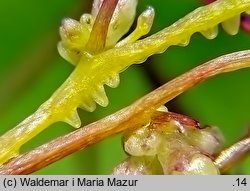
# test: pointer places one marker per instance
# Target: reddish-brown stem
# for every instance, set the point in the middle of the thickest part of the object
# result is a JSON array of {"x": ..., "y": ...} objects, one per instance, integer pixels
[
  {"x": 131, "y": 116},
  {"x": 99, "y": 31}
]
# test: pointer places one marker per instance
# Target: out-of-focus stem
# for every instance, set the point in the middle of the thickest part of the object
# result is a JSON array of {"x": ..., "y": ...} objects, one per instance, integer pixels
[
  {"x": 233, "y": 154},
  {"x": 131, "y": 116},
  {"x": 99, "y": 32}
]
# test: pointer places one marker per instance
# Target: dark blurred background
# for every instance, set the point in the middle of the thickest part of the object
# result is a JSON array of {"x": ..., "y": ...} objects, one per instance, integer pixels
[{"x": 31, "y": 70}]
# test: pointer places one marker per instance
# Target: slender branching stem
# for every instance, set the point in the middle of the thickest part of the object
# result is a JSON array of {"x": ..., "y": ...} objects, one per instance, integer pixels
[
  {"x": 233, "y": 154},
  {"x": 134, "y": 115}
]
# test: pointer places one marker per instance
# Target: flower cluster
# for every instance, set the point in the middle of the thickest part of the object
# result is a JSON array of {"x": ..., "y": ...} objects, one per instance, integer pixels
[
  {"x": 170, "y": 144},
  {"x": 102, "y": 29}
]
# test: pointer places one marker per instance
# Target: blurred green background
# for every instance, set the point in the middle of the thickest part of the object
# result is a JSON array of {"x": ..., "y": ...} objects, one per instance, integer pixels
[{"x": 31, "y": 70}]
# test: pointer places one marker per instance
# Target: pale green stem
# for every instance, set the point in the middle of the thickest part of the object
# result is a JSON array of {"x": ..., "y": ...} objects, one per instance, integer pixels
[
  {"x": 202, "y": 19},
  {"x": 133, "y": 116},
  {"x": 82, "y": 84}
]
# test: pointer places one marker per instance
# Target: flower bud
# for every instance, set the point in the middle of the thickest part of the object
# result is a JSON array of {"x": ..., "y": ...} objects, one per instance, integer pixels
[
  {"x": 138, "y": 166},
  {"x": 199, "y": 165},
  {"x": 172, "y": 144}
]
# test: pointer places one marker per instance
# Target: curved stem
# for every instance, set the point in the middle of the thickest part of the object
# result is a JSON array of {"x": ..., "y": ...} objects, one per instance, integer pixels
[
  {"x": 233, "y": 154},
  {"x": 12, "y": 140},
  {"x": 131, "y": 116},
  {"x": 117, "y": 59},
  {"x": 179, "y": 34}
]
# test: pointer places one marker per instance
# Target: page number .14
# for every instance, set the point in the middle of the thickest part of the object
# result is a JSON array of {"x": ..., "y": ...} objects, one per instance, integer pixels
[{"x": 241, "y": 182}]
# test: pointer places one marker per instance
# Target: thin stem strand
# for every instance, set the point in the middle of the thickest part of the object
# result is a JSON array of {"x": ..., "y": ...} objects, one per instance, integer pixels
[
  {"x": 233, "y": 154},
  {"x": 99, "y": 32},
  {"x": 136, "y": 114}
]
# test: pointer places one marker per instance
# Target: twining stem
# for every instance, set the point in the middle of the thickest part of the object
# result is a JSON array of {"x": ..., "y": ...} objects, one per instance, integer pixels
[
  {"x": 57, "y": 107},
  {"x": 99, "y": 31},
  {"x": 134, "y": 115},
  {"x": 81, "y": 86},
  {"x": 233, "y": 154}
]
